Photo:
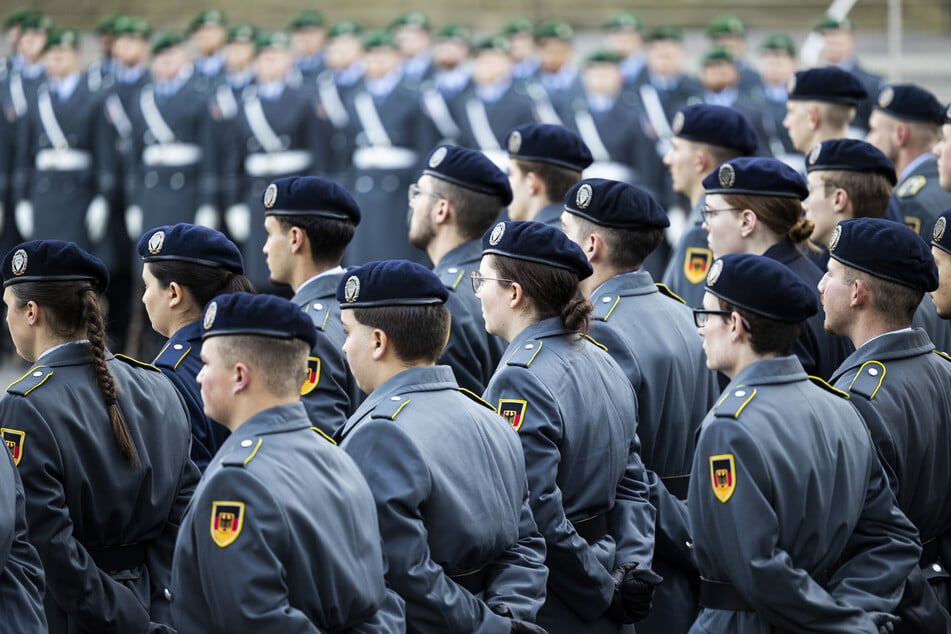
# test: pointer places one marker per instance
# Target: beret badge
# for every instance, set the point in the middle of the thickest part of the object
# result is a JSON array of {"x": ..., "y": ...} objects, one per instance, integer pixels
[
  {"x": 270, "y": 195},
  {"x": 939, "y": 228},
  {"x": 437, "y": 157},
  {"x": 885, "y": 97},
  {"x": 678, "y": 125},
  {"x": 583, "y": 197},
  {"x": 496, "y": 235},
  {"x": 351, "y": 290},
  {"x": 19, "y": 261},
  {"x": 714, "y": 273},
  {"x": 726, "y": 175},
  {"x": 834, "y": 241},
  {"x": 515, "y": 142},
  {"x": 210, "y": 313},
  {"x": 814, "y": 154},
  {"x": 791, "y": 86},
  {"x": 156, "y": 242}
]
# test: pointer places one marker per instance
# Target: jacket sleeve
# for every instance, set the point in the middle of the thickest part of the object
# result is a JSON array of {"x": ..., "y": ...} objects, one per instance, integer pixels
[
  {"x": 400, "y": 482},
  {"x": 631, "y": 521},
  {"x": 328, "y": 402},
  {"x": 575, "y": 573}
]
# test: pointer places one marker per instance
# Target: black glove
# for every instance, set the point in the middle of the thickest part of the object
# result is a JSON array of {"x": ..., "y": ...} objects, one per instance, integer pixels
[
  {"x": 524, "y": 627},
  {"x": 616, "y": 610},
  {"x": 885, "y": 622},
  {"x": 637, "y": 591}
]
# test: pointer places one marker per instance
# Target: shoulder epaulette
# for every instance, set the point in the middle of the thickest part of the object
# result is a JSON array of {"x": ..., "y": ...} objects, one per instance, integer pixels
[
  {"x": 136, "y": 362},
  {"x": 390, "y": 408},
  {"x": 665, "y": 290},
  {"x": 452, "y": 277},
  {"x": 319, "y": 313},
  {"x": 524, "y": 356},
  {"x": 911, "y": 187},
  {"x": 828, "y": 387},
  {"x": 171, "y": 355},
  {"x": 241, "y": 456},
  {"x": 595, "y": 342},
  {"x": 478, "y": 399},
  {"x": 36, "y": 377},
  {"x": 943, "y": 355},
  {"x": 604, "y": 306},
  {"x": 734, "y": 402},
  {"x": 868, "y": 379},
  {"x": 320, "y": 432}
]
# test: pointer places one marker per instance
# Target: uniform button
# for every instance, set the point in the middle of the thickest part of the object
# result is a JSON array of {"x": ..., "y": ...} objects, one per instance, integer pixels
[
  {"x": 38, "y": 373},
  {"x": 606, "y": 299},
  {"x": 453, "y": 270},
  {"x": 739, "y": 393},
  {"x": 318, "y": 306},
  {"x": 246, "y": 443},
  {"x": 873, "y": 371},
  {"x": 529, "y": 346},
  {"x": 178, "y": 346},
  {"x": 689, "y": 544},
  {"x": 168, "y": 594},
  {"x": 395, "y": 398},
  {"x": 936, "y": 567}
]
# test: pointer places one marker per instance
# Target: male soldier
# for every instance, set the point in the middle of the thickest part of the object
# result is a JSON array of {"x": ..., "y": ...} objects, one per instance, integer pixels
[
  {"x": 494, "y": 104},
  {"x": 131, "y": 52},
  {"x": 558, "y": 77},
  {"x": 392, "y": 136},
  {"x": 102, "y": 71},
  {"x": 650, "y": 333},
  {"x": 625, "y": 36},
  {"x": 334, "y": 85},
  {"x": 209, "y": 33},
  {"x": 309, "y": 221},
  {"x": 278, "y": 489},
  {"x": 520, "y": 33},
  {"x": 457, "y": 198},
  {"x": 721, "y": 79},
  {"x": 777, "y": 63},
  {"x": 838, "y": 50},
  {"x": 276, "y": 135},
  {"x": 729, "y": 32},
  {"x": 411, "y": 36},
  {"x": 793, "y": 524},
  {"x": 451, "y": 77},
  {"x": 906, "y": 125},
  {"x": 66, "y": 155},
  {"x": 544, "y": 161},
  {"x": 448, "y": 478},
  {"x": 877, "y": 274},
  {"x": 704, "y": 137},
  {"x": 941, "y": 250},
  {"x": 307, "y": 40},
  {"x": 820, "y": 105}
]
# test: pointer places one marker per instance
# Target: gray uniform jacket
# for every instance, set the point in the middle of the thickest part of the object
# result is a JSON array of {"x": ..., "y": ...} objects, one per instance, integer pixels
[
  {"x": 938, "y": 329},
  {"x": 104, "y": 530},
  {"x": 686, "y": 272},
  {"x": 449, "y": 481},
  {"x": 576, "y": 415},
  {"x": 281, "y": 536},
  {"x": 330, "y": 392},
  {"x": 652, "y": 337},
  {"x": 789, "y": 504},
  {"x": 920, "y": 197}
]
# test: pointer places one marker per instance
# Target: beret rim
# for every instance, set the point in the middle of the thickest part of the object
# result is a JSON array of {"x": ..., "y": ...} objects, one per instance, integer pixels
[
  {"x": 879, "y": 275},
  {"x": 905, "y": 116},
  {"x": 396, "y": 301},
  {"x": 528, "y": 258},
  {"x": 51, "y": 278},
  {"x": 752, "y": 192},
  {"x": 844, "y": 167},
  {"x": 944, "y": 247},
  {"x": 547, "y": 159},
  {"x": 274, "y": 334},
  {"x": 323, "y": 213},
  {"x": 614, "y": 225},
  {"x": 182, "y": 258}
]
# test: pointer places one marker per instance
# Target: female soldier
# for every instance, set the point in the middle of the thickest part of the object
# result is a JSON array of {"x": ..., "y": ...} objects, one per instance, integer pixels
[
  {"x": 754, "y": 205},
  {"x": 576, "y": 415},
  {"x": 185, "y": 266},
  {"x": 101, "y": 443}
]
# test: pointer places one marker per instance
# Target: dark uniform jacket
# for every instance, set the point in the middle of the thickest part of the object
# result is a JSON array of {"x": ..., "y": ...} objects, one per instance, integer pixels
[
  {"x": 920, "y": 198},
  {"x": 576, "y": 415},
  {"x": 511, "y": 109},
  {"x": 281, "y": 536},
  {"x": 104, "y": 530},
  {"x": 180, "y": 360},
  {"x": 790, "y": 506},
  {"x": 449, "y": 482}
]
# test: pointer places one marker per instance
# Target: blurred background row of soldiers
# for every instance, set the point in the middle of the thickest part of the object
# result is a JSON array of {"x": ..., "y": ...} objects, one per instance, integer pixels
[{"x": 190, "y": 126}]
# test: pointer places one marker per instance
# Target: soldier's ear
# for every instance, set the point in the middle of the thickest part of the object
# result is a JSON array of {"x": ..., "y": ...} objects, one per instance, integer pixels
[{"x": 297, "y": 239}]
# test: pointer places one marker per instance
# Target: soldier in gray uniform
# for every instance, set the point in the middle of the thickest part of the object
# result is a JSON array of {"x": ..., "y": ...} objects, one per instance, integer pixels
[
  {"x": 101, "y": 443},
  {"x": 878, "y": 272},
  {"x": 906, "y": 125},
  {"x": 650, "y": 333},
  {"x": 447, "y": 475},
  {"x": 282, "y": 532},
  {"x": 704, "y": 136},
  {"x": 941, "y": 250},
  {"x": 544, "y": 161},
  {"x": 793, "y": 523},
  {"x": 457, "y": 198},
  {"x": 309, "y": 222},
  {"x": 576, "y": 414}
]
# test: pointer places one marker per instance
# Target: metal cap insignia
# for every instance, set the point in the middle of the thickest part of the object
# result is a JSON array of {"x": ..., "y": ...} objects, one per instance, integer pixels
[
  {"x": 496, "y": 236},
  {"x": 939, "y": 228},
  {"x": 814, "y": 154},
  {"x": 515, "y": 142},
  {"x": 714, "y": 273},
  {"x": 584, "y": 196},
  {"x": 210, "y": 313},
  {"x": 437, "y": 157},
  {"x": 791, "y": 85},
  {"x": 351, "y": 290},
  {"x": 885, "y": 97},
  {"x": 678, "y": 124},
  {"x": 270, "y": 195},
  {"x": 156, "y": 242},
  {"x": 18, "y": 263},
  {"x": 834, "y": 241},
  {"x": 726, "y": 175}
]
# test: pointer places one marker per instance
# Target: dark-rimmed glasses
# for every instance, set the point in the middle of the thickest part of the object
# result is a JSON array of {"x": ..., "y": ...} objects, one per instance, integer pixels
[{"x": 478, "y": 280}]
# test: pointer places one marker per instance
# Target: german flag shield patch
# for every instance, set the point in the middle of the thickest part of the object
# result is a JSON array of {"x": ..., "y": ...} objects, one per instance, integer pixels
[
  {"x": 313, "y": 376},
  {"x": 14, "y": 439},
  {"x": 513, "y": 411},
  {"x": 227, "y": 520},
  {"x": 723, "y": 476},
  {"x": 697, "y": 263}
]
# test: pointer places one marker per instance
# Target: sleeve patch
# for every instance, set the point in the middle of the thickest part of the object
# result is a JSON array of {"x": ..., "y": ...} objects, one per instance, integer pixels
[
  {"x": 869, "y": 379},
  {"x": 313, "y": 376},
  {"x": 734, "y": 402},
  {"x": 33, "y": 379},
  {"x": 513, "y": 411},
  {"x": 697, "y": 261},
  {"x": 14, "y": 439},
  {"x": 524, "y": 356},
  {"x": 227, "y": 521},
  {"x": 723, "y": 476}
]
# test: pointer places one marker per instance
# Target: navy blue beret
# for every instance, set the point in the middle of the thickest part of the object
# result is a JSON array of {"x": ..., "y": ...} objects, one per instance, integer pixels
[
  {"x": 190, "y": 243},
  {"x": 536, "y": 242},
  {"x": 756, "y": 177},
  {"x": 53, "y": 261},
  {"x": 886, "y": 249},
  {"x": 941, "y": 237},
  {"x": 390, "y": 283},
  {"x": 547, "y": 143},
  {"x": 850, "y": 155},
  {"x": 261, "y": 315},
  {"x": 910, "y": 103},
  {"x": 763, "y": 286},
  {"x": 310, "y": 196},
  {"x": 829, "y": 84},
  {"x": 715, "y": 125},
  {"x": 615, "y": 204},
  {"x": 470, "y": 169}
]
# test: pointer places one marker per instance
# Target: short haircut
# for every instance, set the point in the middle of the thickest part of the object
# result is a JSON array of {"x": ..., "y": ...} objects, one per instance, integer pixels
[
  {"x": 281, "y": 363},
  {"x": 767, "y": 336},
  {"x": 557, "y": 180},
  {"x": 894, "y": 302},
  {"x": 418, "y": 333},
  {"x": 475, "y": 211},
  {"x": 328, "y": 237},
  {"x": 627, "y": 248},
  {"x": 836, "y": 115},
  {"x": 719, "y": 154},
  {"x": 869, "y": 192}
]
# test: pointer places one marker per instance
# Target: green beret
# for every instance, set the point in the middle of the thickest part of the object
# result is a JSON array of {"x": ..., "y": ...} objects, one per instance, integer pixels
[
  {"x": 61, "y": 37},
  {"x": 669, "y": 32},
  {"x": 829, "y": 23},
  {"x": 455, "y": 32},
  {"x": 716, "y": 55},
  {"x": 726, "y": 25},
  {"x": 603, "y": 56},
  {"x": 208, "y": 17},
  {"x": 242, "y": 33},
  {"x": 627, "y": 21},
  {"x": 167, "y": 40},
  {"x": 347, "y": 27},
  {"x": 411, "y": 18},
  {"x": 131, "y": 25},
  {"x": 518, "y": 25},
  {"x": 35, "y": 20},
  {"x": 781, "y": 43},
  {"x": 379, "y": 39},
  {"x": 106, "y": 24},
  {"x": 17, "y": 16},
  {"x": 495, "y": 43},
  {"x": 554, "y": 31},
  {"x": 307, "y": 19},
  {"x": 271, "y": 39}
]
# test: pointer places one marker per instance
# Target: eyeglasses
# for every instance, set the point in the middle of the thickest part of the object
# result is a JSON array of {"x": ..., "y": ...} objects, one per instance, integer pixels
[
  {"x": 702, "y": 315},
  {"x": 478, "y": 281},
  {"x": 706, "y": 212},
  {"x": 415, "y": 192}
]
